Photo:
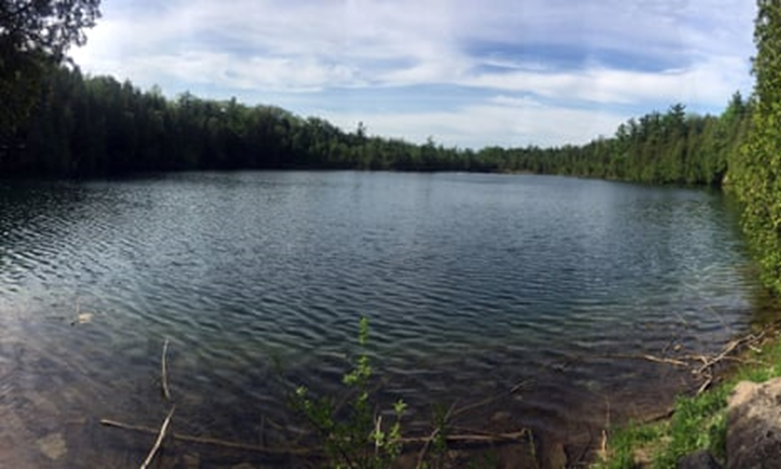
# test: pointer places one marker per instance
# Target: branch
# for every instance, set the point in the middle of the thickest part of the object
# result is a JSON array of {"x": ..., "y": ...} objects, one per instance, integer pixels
[
  {"x": 160, "y": 438},
  {"x": 213, "y": 441},
  {"x": 434, "y": 433},
  {"x": 164, "y": 373}
]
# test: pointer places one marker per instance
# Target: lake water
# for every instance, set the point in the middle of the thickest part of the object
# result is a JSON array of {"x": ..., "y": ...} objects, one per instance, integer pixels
[{"x": 472, "y": 284}]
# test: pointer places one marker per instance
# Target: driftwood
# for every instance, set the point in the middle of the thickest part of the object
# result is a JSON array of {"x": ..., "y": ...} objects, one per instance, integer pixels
[
  {"x": 160, "y": 437},
  {"x": 164, "y": 372},
  {"x": 467, "y": 437},
  {"x": 213, "y": 441},
  {"x": 703, "y": 365},
  {"x": 476, "y": 438}
]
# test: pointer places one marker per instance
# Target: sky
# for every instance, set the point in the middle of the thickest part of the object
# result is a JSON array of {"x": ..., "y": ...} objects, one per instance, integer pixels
[{"x": 466, "y": 73}]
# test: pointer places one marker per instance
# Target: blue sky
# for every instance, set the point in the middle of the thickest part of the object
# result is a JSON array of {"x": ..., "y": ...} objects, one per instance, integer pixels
[{"x": 466, "y": 73}]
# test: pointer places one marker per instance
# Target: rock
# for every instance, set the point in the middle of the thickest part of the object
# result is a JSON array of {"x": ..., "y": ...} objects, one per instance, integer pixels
[
  {"x": 53, "y": 446},
  {"x": 698, "y": 460},
  {"x": 754, "y": 426}
]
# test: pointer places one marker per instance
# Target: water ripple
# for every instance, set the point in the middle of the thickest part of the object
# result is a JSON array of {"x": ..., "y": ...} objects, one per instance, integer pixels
[{"x": 471, "y": 283}]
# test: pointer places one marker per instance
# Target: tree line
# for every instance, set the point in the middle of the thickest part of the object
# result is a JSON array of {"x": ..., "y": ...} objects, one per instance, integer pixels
[
  {"x": 88, "y": 126},
  {"x": 756, "y": 169}
]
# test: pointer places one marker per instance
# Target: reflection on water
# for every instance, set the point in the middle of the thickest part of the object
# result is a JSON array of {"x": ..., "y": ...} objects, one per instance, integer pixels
[{"x": 472, "y": 283}]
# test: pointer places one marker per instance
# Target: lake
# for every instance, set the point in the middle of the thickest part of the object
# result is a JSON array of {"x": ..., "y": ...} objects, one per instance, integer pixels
[{"x": 473, "y": 285}]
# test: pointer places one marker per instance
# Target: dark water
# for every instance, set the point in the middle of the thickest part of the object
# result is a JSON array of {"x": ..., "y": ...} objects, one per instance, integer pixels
[{"x": 472, "y": 284}]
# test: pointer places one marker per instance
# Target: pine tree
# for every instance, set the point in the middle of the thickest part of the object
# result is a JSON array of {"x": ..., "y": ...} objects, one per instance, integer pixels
[{"x": 757, "y": 170}]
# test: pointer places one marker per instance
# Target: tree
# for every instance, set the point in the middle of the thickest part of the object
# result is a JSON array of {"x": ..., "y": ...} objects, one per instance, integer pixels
[
  {"x": 757, "y": 170},
  {"x": 33, "y": 35}
]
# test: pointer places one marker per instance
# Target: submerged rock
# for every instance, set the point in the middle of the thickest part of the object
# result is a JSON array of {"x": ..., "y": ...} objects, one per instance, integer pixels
[
  {"x": 53, "y": 446},
  {"x": 754, "y": 426}
]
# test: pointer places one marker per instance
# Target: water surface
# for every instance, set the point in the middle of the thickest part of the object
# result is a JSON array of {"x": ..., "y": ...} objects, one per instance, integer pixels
[{"x": 472, "y": 284}]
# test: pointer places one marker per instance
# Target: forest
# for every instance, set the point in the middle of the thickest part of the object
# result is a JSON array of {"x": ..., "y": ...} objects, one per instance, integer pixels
[
  {"x": 90, "y": 126},
  {"x": 57, "y": 122}
]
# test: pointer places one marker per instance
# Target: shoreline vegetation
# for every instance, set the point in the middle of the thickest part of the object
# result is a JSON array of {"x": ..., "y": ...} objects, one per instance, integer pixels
[
  {"x": 59, "y": 123},
  {"x": 700, "y": 422}
]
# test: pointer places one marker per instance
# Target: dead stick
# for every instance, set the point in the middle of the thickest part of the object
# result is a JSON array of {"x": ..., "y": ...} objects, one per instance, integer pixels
[
  {"x": 210, "y": 441},
  {"x": 377, "y": 430},
  {"x": 164, "y": 372},
  {"x": 489, "y": 400},
  {"x": 650, "y": 358},
  {"x": 728, "y": 349},
  {"x": 475, "y": 432},
  {"x": 434, "y": 434},
  {"x": 704, "y": 385},
  {"x": 476, "y": 439},
  {"x": 160, "y": 438},
  {"x": 669, "y": 361}
]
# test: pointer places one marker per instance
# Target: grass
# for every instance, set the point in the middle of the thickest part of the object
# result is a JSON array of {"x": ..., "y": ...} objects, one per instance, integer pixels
[{"x": 698, "y": 422}]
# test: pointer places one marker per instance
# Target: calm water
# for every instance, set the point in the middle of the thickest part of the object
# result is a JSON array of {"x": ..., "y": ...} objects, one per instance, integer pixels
[{"x": 472, "y": 283}]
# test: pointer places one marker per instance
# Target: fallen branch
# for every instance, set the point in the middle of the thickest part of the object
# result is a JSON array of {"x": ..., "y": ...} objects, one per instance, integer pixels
[
  {"x": 705, "y": 384},
  {"x": 477, "y": 432},
  {"x": 160, "y": 438},
  {"x": 164, "y": 372},
  {"x": 471, "y": 439},
  {"x": 477, "y": 439},
  {"x": 730, "y": 348},
  {"x": 517, "y": 387},
  {"x": 427, "y": 440},
  {"x": 213, "y": 441},
  {"x": 652, "y": 358}
]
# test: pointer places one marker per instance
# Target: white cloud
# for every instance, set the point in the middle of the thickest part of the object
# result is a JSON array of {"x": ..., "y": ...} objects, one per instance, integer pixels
[
  {"x": 703, "y": 83},
  {"x": 502, "y": 120},
  {"x": 625, "y": 52}
]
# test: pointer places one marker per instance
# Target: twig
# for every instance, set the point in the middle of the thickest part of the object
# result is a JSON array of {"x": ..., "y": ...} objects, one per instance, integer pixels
[
  {"x": 669, "y": 361},
  {"x": 434, "y": 434},
  {"x": 473, "y": 439},
  {"x": 652, "y": 358},
  {"x": 160, "y": 437},
  {"x": 490, "y": 399},
  {"x": 705, "y": 385},
  {"x": 164, "y": 372},
  {"x": 603, "y": 445},
  {"x": 213, "y": 441},
  {"x": 728, "y": 349},
  {"x": 377, "y": 429},
  {"x": 466, "y": 431}
]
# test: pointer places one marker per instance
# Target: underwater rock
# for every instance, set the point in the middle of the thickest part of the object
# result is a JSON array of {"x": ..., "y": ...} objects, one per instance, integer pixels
[{"x": 53, "y": 446}]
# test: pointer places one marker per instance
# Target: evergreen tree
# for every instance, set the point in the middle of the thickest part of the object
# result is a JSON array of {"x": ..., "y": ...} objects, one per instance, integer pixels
[{"x": 756, "y": 171}]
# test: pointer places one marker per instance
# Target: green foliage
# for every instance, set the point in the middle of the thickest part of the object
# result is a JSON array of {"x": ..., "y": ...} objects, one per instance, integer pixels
[
  {"x": 699, "y": 422},
  {"x": 47, "y": 26},
  {"x": 121, "y": 129},
  {"x": 625, "y": 441},
  {"x": 359, "y": 440},
  {"x": 756, "y": 170},
  {"x": 34, "y": 35}
]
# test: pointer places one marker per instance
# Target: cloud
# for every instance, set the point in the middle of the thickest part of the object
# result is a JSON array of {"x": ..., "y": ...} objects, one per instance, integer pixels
[
  {"x": 501, "y": 120},
  {"x": 564, "y": 54},
  {"x": 708, "y": 82}
]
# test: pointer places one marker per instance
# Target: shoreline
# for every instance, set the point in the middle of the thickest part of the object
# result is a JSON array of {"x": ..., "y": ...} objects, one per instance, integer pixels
[{"x": 698, "y": 419}]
